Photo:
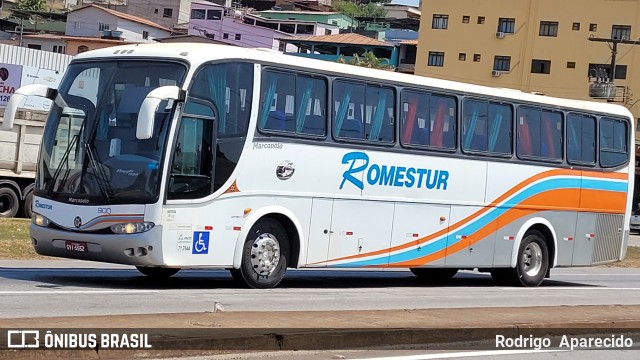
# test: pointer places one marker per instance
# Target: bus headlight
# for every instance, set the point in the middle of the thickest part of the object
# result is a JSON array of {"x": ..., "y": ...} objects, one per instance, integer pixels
[
  {"x": 40, "y": 220},
  {"x": 132, "y": 228}
]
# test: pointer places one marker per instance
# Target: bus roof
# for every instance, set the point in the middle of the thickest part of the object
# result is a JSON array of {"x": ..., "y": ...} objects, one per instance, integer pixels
[{"x": 198, "y": 53}]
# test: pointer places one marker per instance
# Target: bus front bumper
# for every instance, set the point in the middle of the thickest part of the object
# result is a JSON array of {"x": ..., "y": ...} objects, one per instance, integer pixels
[{"x": 141, "y": 249}]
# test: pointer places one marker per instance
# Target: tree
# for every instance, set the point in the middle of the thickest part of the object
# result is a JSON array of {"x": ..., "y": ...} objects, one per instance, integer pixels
[
  {"x": 358, "y": 9},
  {"x": 368, "y": 59},
  {"x": 35, "y": 5}
]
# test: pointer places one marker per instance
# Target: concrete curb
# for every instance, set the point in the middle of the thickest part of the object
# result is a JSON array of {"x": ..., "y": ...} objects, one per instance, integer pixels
[{"x": 193, "y": 341}]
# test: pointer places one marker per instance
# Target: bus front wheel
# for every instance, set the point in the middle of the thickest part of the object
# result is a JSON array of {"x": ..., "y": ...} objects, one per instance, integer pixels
[
  {"x": 264, "y": 256},
  {"x": 157, "y": 272},
  {"x": 531, "y": 265}
]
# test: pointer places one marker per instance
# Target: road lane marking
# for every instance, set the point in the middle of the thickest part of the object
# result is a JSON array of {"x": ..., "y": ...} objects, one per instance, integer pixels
[
  {"x": 464, "y": 354},
  {"x": 64, "y": 292}
]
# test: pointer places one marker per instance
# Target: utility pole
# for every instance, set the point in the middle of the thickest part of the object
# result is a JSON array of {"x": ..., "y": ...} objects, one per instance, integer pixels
[{"x": 607, "y": 90}]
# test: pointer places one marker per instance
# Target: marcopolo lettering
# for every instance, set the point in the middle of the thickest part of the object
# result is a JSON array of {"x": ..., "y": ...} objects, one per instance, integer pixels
[{"x": 390, "y": 175}]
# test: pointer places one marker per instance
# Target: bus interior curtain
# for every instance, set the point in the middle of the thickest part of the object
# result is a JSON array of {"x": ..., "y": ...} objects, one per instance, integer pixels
[
  {"x": 218, "y": 87},
  {"x": 547, "y": 148},
  {"x": 438, "y": 123},
  {"x": 572, "y": 147},
  {"x": 266, "y": 102},
  {"x": 378, "y": 117},
  {"x": 495, "y": 131},
  {"x": 411, "y": 119},
  {"x": 524, "y": 141},
  {"x": 342, "y": 111},
  {"x": 471, "y": 128},
  {"x": 304, "y": 103}
]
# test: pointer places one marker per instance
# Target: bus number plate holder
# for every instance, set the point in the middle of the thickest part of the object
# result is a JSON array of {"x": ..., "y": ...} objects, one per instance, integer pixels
[{"x": 76, "y": 246}]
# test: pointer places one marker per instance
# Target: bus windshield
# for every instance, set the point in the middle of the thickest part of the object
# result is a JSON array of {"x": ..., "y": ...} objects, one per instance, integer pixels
[{"x": 90, "y": 154}]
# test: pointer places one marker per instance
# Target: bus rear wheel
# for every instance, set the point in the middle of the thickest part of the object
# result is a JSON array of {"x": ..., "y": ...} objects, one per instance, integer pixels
[
  {"x": 531, "y": 265},
  {"x": 157, "y": 272},
  {"x": 264, "y": 256},
  {"x": 434, "y": 275}
]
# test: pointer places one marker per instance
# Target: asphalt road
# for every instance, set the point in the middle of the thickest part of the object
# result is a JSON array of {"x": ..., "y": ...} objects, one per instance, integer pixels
[{"x": 74, "y": 288}]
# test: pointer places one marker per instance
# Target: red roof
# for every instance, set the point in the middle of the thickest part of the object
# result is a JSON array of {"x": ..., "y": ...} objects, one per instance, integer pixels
[
  {"x": 346, "y": 38},
  {"x": 125, "y": 17}
]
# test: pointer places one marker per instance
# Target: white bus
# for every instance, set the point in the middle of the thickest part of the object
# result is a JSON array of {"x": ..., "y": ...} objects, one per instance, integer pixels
[{"x": 198, "y": 155}]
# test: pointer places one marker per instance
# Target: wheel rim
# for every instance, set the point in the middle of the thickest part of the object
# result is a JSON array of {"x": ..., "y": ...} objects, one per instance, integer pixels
[
  {"x": 532, "y": 259},
  {"x": 265, "y": 254},
  {"x": 6, "y": 204}
]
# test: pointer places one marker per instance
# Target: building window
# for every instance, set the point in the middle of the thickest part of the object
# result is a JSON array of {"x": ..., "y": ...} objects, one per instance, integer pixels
[
  {"x": 621, "y": 32},
  {"x": 436, "y": 58},
  {"x": 33, "y": 46},
  {"x": 334, "y": 22},
  {"x": 480, "y": 19},
  {"x": 462, "y": 57},
  {"x": 540, "y": 66},
  {"x": 593, "y": 27},
  {"x": 168, "y": 12},
  {"x": 465, "y": 19},
  {"x": 548, "y": 28},
  {"x": 576, "y": 26},
  {"x": 225, "y": 35},
  {"x": 440, "y": 21},
  {"x": 604, "y": 71},
  {"x": 502, "y": 63},
  {"x": 145, "y": 35},
  {"x": 506, "y": 25},
  {"x": 476, "y": 57},
  {"x": 58, "y": 49},
  {"x": 82, "y": 48},
  {"x": 103, "y": 27},
  {"x": 327, "y": 31},
  {"x": 198, "y": 14},
  {"x": 238, "y": 36},
  {"x": 571, "y": 64},
  {"x": 155, "y": 11},
  {"x": 214, "y": 14},
  {"x": 76, "y": 25}
]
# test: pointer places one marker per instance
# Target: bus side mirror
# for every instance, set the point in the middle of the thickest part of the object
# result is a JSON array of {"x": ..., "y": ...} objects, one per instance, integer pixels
[
  {"x": 18, "y": 99},
  {"x": 146, "y": 116}
]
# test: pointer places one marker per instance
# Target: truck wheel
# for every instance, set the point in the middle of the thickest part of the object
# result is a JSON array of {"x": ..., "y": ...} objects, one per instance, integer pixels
[
  {"x": 264, "y": 256},
  {"x": 27, "y": 205},
  {"x": 9, "y": 203},
  {"x": 157, "y": 272}
]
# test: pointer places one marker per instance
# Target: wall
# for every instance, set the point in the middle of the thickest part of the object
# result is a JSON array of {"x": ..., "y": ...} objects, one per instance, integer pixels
[{"x": 88, "y": 21}]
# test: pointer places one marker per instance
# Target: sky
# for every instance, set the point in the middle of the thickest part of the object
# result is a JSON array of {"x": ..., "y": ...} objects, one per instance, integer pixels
[{"x": 405, "y": 2}]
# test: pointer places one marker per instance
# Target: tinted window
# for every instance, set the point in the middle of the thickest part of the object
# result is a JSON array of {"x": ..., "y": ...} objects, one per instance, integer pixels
[
  {"x": 486, "y": 127},
  {"x": 293, "y": 103},
  {"x": 613, "y": 142},
  {"x": 539, "y": 133},
  {"x": 363, "y": 112},
  {"x": 581, "y": 139},
  {"x": 428, "y": 120}
]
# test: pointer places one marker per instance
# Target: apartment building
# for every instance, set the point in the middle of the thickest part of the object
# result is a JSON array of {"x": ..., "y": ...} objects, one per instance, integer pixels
[{"x": 540, "y": 46}]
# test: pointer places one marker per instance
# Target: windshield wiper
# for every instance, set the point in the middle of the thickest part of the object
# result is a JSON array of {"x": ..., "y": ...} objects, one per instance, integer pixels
[
  {"x": 101, "y": 176},
  {"x": 64, "y": 162}
]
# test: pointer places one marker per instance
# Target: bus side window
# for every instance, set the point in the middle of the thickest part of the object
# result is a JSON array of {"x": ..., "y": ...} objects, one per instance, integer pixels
[
  {"x": 613, "y": 142},
  {"x": 581, "y": 139},
  {"x": 415, "y": 112},
  {"x": 348, "y": 116}
]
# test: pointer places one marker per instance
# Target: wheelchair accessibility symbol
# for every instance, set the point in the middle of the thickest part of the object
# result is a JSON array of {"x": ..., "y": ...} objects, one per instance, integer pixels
[{"x": 200, "y": 242}]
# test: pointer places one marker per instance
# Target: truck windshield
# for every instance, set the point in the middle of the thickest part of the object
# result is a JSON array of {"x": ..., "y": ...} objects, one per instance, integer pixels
[{"x": 90, "y": 154}]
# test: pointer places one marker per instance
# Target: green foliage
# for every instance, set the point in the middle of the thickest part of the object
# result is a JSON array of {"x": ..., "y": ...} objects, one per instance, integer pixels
[
  {"x": 36, "y": 5},
  {"x": 368, "y": 59},
  {"x": 353, "y": 9}
]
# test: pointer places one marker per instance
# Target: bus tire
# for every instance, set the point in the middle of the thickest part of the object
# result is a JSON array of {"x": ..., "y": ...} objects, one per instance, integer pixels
[
  {"x": 432, "y": 275},
  {"x": 533, "y": 260},
  {"x": 27, "y": 205},
  {"x": 264, "y": 256},
  {"x": 9, "y": 202},
  {"x": 157, "y": 272}
]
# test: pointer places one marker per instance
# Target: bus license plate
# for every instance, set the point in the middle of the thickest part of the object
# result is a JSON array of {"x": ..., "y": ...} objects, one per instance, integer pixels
[{"x": 76, "y": 246}]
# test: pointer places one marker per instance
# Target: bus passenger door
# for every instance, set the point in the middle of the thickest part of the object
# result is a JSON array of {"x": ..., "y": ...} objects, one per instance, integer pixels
[
  {"x": 360, "y": 233},
  {"x": 419, "y": 235},
  {"x": 319, "y": 232}
]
